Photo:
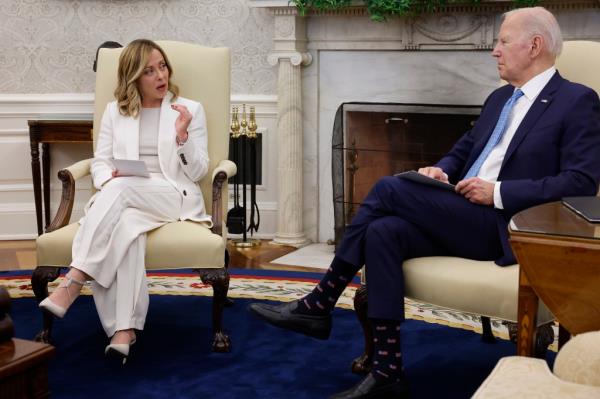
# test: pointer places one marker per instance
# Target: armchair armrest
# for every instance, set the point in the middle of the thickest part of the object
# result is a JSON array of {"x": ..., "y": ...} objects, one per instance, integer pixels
[
  {"x": 224, "y": 170},
  {"x": 68, "y": 176},
  {"x": 226, "y": 166}
]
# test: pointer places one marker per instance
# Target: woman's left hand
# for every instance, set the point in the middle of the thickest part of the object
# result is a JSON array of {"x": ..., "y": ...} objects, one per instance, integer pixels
[{"x": 183, "y": 121}]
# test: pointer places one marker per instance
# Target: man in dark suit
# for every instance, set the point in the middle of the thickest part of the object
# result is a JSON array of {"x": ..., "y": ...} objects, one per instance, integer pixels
[{"x": 537, "y": 140}]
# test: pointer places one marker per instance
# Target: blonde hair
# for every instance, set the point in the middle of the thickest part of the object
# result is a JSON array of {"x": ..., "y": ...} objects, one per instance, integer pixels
[
  {"x": 132, "y": 62},
  {"x": 541, "y": 22}
]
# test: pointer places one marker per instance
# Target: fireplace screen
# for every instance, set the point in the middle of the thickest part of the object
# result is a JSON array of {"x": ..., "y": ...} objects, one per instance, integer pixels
[{"x": 375, "y": 140}]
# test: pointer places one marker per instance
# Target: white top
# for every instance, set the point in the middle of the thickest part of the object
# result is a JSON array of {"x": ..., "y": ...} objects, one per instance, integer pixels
[
  {"x": 149, "y": 122},
  {"x": 491, "y": 167}
]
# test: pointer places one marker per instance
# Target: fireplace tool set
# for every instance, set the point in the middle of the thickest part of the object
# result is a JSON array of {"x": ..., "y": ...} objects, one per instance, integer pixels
[{"x": 243, "y": 137}]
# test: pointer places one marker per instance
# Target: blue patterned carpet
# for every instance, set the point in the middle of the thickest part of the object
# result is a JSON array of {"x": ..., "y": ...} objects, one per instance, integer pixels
[{"x": 172, "y": 358}]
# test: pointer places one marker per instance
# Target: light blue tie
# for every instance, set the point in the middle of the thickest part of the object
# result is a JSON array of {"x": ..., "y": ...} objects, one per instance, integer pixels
[{"x": 496, "y": 134}]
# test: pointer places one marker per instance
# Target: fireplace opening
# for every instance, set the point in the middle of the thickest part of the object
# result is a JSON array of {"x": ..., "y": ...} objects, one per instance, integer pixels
[{"x": 372, "y": 140}]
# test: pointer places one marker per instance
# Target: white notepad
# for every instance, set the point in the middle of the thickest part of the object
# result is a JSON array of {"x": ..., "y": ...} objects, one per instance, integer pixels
[{"x": 128, "y": 167}]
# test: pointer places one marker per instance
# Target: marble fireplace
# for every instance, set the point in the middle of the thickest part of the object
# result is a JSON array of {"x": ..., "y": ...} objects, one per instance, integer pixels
[{"x": 328, "y": 59}]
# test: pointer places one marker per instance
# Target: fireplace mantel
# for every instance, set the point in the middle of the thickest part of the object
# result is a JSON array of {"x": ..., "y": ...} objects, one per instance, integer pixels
[{"x": 328, "y": 58}]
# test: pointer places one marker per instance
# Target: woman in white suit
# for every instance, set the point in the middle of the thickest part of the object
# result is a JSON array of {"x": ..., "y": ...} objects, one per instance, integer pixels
[{"x": 149, "y": 122}]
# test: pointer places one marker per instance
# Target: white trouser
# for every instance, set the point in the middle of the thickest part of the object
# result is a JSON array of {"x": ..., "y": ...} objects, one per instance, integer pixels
[{"x": 110, "y": 245}]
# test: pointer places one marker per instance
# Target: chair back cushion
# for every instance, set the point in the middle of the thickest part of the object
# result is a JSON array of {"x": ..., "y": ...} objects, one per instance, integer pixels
[
  {"x": 580, "y": 62},
  {"x": 202, "y": 74}
]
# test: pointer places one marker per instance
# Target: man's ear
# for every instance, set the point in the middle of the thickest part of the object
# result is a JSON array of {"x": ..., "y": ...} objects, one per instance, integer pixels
[{"x": 537, "y": 45}]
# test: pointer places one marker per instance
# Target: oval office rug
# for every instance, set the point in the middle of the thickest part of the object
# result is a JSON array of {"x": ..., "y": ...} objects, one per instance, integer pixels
[
  {"x": 443, "y": 356},
  {"x": 268, "y": 285}
]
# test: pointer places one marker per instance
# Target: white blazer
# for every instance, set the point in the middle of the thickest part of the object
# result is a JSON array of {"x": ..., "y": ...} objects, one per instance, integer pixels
[{"x": 182, "y": 166}]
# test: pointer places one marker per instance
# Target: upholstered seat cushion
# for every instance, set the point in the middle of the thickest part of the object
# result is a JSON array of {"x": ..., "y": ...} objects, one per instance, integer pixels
[
  {"x": 525, "y": 377},
  {"x": 172, "y": 246},
  {"x": 576, "y": 374},
  {"x": 479, "y": 287}
]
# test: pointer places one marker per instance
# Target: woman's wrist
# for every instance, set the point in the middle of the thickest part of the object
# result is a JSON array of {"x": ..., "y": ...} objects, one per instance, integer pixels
[{"x": 181, "y": 139}]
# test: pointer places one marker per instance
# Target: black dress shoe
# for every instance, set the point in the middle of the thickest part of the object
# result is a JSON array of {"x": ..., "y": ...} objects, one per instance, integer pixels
[
  {"x": 283, "y": 316},
  {"x": 370, "y": 388}
]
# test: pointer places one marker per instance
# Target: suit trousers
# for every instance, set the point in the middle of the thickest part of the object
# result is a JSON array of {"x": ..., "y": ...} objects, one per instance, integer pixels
[
  {"x": 400, "y": 219},
  {"x": 110, "y": 245}
]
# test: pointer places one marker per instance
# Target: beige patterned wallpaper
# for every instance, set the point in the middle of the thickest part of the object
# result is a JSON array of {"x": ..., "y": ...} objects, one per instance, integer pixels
[{"x": 48, "y": 46}]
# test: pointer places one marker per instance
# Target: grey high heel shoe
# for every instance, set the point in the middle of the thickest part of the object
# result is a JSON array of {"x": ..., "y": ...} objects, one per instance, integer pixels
[{"x": 55, "y": 309}]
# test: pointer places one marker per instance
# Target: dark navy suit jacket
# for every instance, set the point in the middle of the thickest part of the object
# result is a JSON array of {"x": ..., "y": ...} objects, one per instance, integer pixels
[{"x": 554, "y": 153}]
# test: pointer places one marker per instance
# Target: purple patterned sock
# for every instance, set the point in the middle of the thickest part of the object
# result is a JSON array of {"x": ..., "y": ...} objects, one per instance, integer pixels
[
  {"x": 387, "y": 356},
  {"x": 324, "y": 296}
]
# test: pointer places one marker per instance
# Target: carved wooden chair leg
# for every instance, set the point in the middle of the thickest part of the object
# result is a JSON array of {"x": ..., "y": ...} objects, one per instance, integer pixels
[
  {"x": 219, "y": 280},
  {"x": 228, "y": 301},
  {"x": 543, "y": 338},
  {"x": 41, "y": 276},
  {"x": 487, "y": 335},
  {"x": 363, "y": 363}
]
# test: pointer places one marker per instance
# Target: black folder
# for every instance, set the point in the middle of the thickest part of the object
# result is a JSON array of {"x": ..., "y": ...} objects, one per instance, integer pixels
[
  {"x": 419, "y": 178},
  {"x": 586, "y": 207}
]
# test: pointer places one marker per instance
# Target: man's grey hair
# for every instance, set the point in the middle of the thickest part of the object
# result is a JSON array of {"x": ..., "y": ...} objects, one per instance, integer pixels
[{"x": 541, "y": 22}]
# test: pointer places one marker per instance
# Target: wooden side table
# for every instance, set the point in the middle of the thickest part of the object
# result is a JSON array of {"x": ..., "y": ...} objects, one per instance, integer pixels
[
  {"x": 559, "y": 257},
  {"x": 46, "y": 131},
  {"x": 24, "y": 369}
]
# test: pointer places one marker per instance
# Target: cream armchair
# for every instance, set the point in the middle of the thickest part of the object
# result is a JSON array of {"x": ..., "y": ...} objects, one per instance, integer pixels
[
  {"x": 576, "y": 374},
  {"x": 458, "y": 283},
  {"x": 202, "y": 74}
]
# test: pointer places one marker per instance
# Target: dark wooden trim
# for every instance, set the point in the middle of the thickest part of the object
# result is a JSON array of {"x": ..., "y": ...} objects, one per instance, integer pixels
[
  {"x": 65, "y": 208},
  {"x": 217, "y": 203}
]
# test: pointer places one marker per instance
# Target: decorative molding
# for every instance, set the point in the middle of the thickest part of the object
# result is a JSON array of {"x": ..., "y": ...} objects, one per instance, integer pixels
[
  {"x": 14, "y": 187},
  {"x": 447, "y": 27},
  {"x": 76, "y": 105},
  {"x": 357, "y": 10},
  {"x": 18, "y": 207},
  {"x": 266, "y": 105},
  {"x": 17, "y": 237},
  {"x": 296, "y": 58},
  {"x": 82, "y": 104}
]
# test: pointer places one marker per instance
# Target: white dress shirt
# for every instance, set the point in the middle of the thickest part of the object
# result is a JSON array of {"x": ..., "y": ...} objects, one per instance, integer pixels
[{"x": 491, "y": 166}]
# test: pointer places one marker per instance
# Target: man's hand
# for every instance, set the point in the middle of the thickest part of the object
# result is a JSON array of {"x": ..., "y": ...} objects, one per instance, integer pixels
[
  {"x": 434, "y": 173},
  {"x": 476, "y": 190}
]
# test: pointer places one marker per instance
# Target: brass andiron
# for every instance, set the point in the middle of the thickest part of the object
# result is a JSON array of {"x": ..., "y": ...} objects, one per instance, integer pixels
[{"x": 243, "y": 130}]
